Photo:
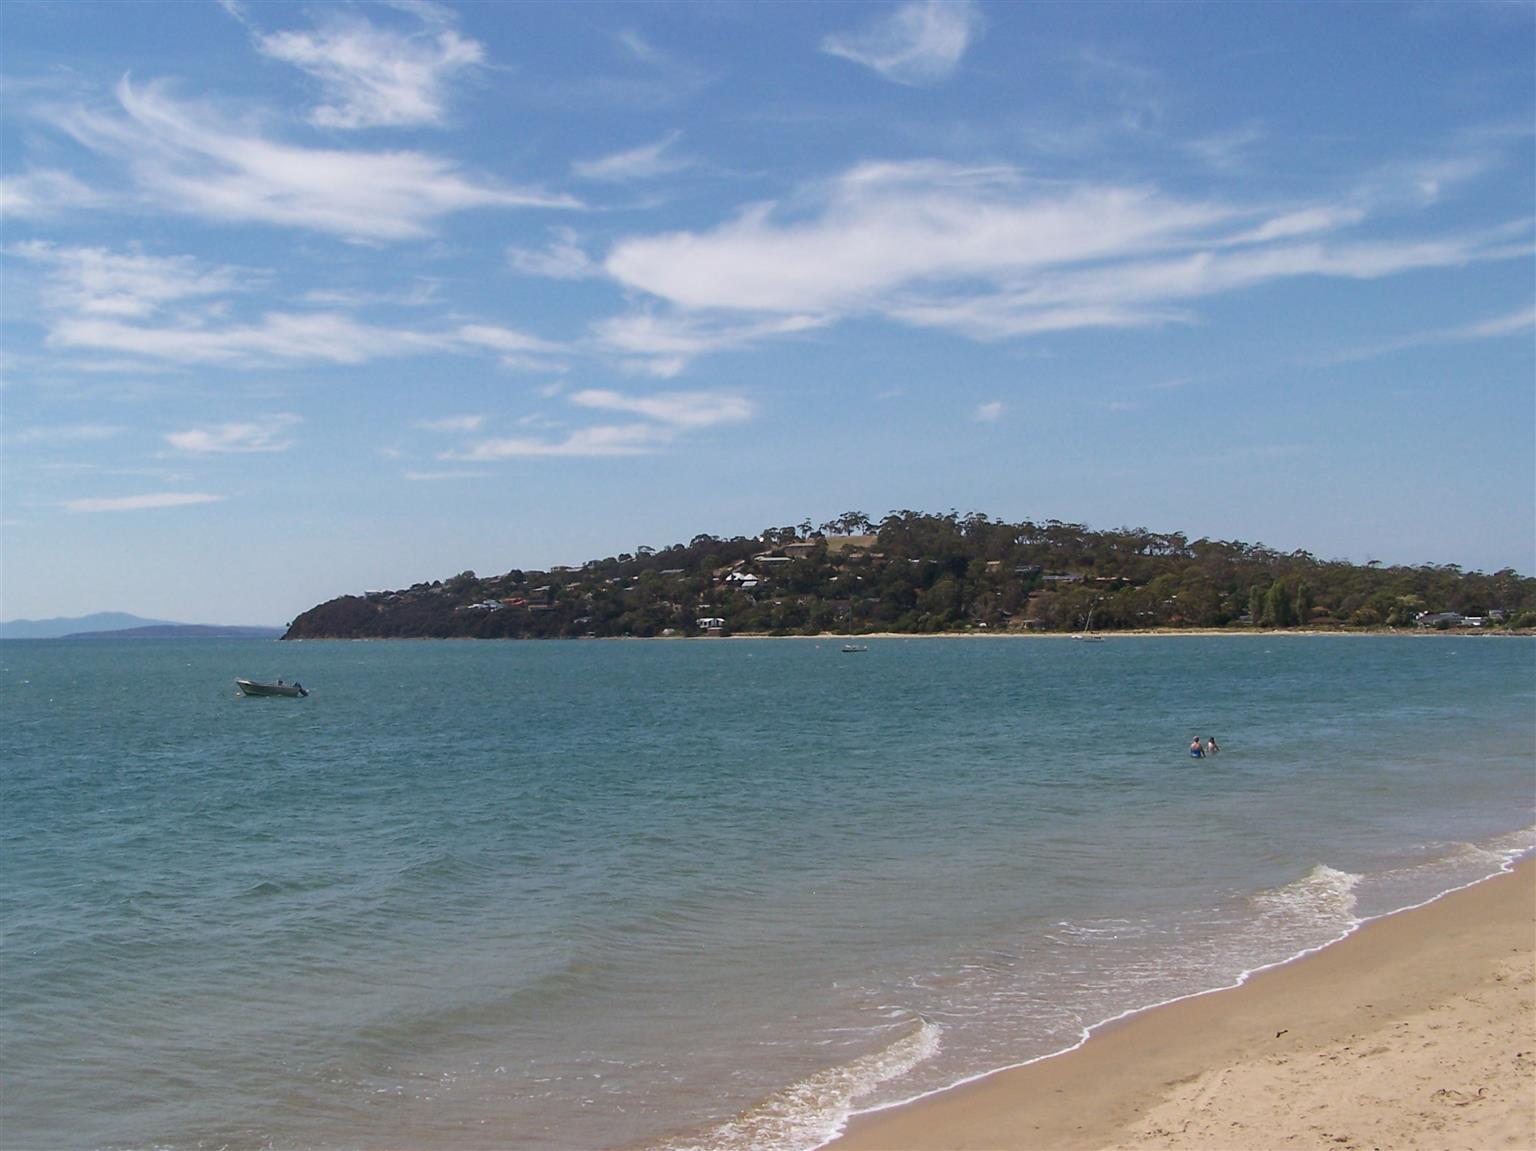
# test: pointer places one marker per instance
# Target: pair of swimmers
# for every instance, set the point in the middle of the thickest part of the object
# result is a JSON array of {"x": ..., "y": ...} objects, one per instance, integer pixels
[{"x": 1199, "y": 752}]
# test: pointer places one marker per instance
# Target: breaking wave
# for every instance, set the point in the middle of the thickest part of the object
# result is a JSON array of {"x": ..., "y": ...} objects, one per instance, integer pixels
[{"x": 812, "y": 1111}]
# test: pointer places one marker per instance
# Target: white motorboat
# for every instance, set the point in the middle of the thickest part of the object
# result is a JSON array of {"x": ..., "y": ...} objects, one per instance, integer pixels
[{"x": 251, "y": 687}]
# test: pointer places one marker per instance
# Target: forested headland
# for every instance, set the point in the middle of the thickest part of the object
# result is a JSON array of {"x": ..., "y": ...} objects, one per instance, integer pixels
[{"x": 920, "y": 573}]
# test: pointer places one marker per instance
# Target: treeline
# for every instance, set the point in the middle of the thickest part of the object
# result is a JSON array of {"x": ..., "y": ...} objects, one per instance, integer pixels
[{"x": 921, "y": 573}]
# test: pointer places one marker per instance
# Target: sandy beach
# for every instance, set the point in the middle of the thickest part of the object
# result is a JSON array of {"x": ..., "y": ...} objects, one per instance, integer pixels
[{"x": 1417, "y": 1031}]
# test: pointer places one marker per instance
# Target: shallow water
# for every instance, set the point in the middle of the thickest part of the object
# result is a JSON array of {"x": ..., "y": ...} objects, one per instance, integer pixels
[{"x": 714, "y": 894}]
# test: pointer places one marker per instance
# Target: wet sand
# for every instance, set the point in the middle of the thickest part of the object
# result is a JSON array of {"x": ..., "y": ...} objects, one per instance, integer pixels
[{"x": 1417, "y": 1031}]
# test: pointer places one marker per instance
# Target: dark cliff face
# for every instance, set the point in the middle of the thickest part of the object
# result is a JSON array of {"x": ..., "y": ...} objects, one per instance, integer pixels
[
  {"x": 344, "y": 618},
  {"x": 435, "y": 616}
]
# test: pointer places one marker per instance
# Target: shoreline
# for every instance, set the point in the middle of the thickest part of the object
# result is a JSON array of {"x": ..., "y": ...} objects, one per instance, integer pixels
[
  {"x": 832, "y": 637},
  {"x": 1342, "y": 1046}
]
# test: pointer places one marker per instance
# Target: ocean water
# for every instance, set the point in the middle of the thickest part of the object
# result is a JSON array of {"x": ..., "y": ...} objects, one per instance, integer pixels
[{"x": 693, "y": 894}]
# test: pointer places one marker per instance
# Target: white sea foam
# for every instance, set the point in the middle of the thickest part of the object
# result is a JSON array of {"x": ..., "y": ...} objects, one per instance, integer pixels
[
  {"x": 812, "y": 1111},
  {"x": 1321, "y": 902}
]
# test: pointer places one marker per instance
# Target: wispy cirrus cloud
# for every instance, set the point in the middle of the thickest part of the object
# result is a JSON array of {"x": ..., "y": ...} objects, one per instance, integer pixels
[
  {"x": 504, "y": 339},
  {"x": 278, "y": 337},
  {"x": 139, "y": 503},
  {"x": 459, "y": 424},
  {"x": 45, "y": 194},
  {"x": 920, "y": 42},
  {"x": 562, "y": 259},
  {"x": 664, "y": 416},
  {"x": 1521, "y": 322},
  {"x": 604, "y": 440},
  {"x": 375, "y": 76},
  {"x": 517, "y": 350},
  {"x": 881, "y": 226},
  {"x": 265, "y": 435},
  {"x": 675, "y": 409},
  {"x": 175, "y": 309},
  {"x": 647, "y": 162},
  {"x": 990, "y": 254},
  {"x": 988, "y": 413},
  {"x": 100, "y": 282},
  {"x": 663, "y": 345},
  {"x": 446, "y": 474},
  {"x": 66, "y": 434},
  {"x": 185, "y": 157}
]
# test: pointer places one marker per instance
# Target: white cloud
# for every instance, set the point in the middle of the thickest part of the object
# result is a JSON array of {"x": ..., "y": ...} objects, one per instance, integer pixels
[
  {"x": 44, "y": 195},
  {"x": 376, "y": 77},
  {"x": 663, "y": 345},
  {"x": 504, "y": 339},
  {"x": 563, "y": 259},
  {"x": 1514, "y": 324},
  {"x": 1517, "y": 323},
  {"x": 677, "y": 409},
  {"x": 989, "y": 412},
  {"x": 323, "y": 337},
  {"x": 169, "y": 308},
  {"x": 452, "y": 424},
  {"x": 607, "y": 440},
  {"x": 455, "y": 474},
  {"x": 67, "y": 433},
  {"x": 919, "y": 43},
  {"x": 141, "y": 503},
  {"x": 643, "y": 163},
  {"x": 518, "y": 350},
  {"x": 639, "y": 47},
  {"x": 100, "y": 282},
  {"x": 1227, "y": 151},
  {"x": 668, "y": 415},
  {"x": 1324, "y": 218},
  {"x": 257, "y": 436},
  {"x": 188, "y": 159},
  {"x": 425, "y": 292},
  {"x": 987, "y": 253},
  {"x": 885, "y": 225}
]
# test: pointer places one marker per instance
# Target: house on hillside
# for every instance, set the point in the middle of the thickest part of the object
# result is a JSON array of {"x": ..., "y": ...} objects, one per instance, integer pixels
[{"x": 1440, "y": 619}]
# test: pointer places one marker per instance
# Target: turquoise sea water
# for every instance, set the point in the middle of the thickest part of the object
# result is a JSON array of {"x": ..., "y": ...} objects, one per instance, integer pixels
[{"x": 711, "y": 894}]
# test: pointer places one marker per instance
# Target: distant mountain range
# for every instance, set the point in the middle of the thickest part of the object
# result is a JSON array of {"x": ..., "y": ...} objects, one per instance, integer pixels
[{"x": 121, "y": 625}]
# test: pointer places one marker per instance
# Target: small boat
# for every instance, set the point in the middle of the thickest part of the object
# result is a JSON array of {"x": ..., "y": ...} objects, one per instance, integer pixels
[
  {"x": 251, "y": 687},
  {"x": 855, "y": 647}
]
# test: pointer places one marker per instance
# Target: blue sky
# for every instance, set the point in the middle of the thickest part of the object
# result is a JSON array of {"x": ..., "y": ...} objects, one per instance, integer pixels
[{"x": 305, "y": 299}]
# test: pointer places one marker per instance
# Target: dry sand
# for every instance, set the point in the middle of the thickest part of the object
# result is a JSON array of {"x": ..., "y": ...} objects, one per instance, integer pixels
[{"x": 1418, "y": 1031}]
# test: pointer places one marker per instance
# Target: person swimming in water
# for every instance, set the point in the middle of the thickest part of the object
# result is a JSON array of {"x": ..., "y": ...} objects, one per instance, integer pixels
[
  {"x": 1195, "y": 750},
  {"x": 1210, "y": 746}
]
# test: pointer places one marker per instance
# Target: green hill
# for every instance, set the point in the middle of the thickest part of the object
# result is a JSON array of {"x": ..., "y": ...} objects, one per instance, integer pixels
[{"x": 919, "y": 573}]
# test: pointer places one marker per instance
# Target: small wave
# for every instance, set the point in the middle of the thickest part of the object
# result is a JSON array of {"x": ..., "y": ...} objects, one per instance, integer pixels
[
  {"x": 1324, "y": 898},
  {"x": 814, "y": 1110},
  {"x": 1497, "y": 854},
  {"x": 1444, "y": 868}
]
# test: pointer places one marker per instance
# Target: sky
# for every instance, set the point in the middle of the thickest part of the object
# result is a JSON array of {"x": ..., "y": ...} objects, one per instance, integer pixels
[{"x": 306, "y": 299}]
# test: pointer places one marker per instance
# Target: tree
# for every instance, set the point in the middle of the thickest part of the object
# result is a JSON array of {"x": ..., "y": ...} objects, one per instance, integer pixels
[
  {"x": 1304, "y": 603},
  {"x": 1278, "y": 607},
  {"x": 1256, "y": 607}
]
